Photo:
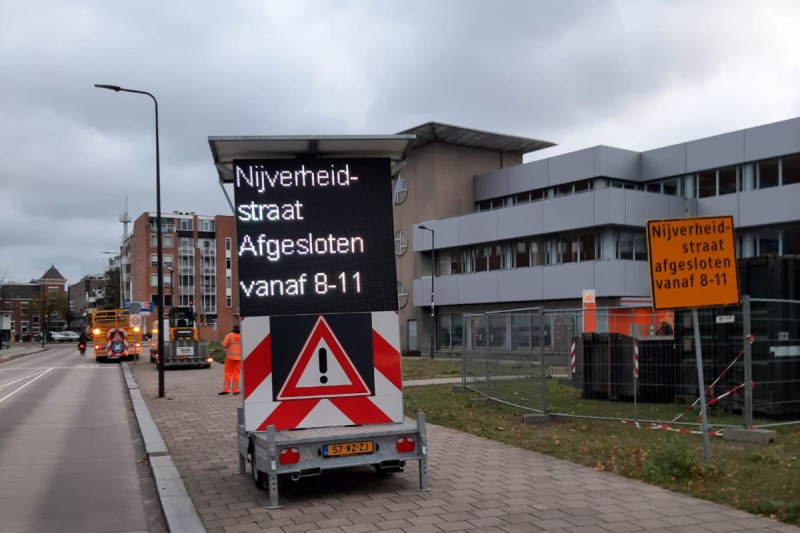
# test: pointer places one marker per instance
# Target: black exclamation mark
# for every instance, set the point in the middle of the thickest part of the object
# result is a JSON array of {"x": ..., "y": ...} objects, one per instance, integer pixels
[{"x": 323, "y": 365}]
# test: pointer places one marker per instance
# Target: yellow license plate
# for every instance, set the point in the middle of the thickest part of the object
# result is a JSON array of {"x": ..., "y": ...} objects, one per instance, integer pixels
[{"x": 347, "y": 448}]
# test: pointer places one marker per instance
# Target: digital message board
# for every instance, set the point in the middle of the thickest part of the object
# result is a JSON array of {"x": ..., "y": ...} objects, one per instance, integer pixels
[
  {"x": 314, "y": 236},
  {"x": 692, "y": 262}
]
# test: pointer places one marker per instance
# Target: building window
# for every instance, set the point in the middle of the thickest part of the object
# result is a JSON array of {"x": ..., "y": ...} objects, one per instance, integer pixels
[
  {"x": 790, "y": 240},
  {"x": 205, "y": 225},
  {"x": 588, "y": 251},
  {"x": 522, "y": 254},
  {"x": 154, "y": 260},
  {"x": 185, "y": 224},
  {"x": 451, "y": 331},
  {"x": 228, "y": 301},
  {"x": 227, "y": 263},
  {"x": 495, "y": 257},
  {"x": 228, "y": 244},
  {"x": 790, "y": 170},
  {"x": 399, "y": 190},
  {"x": 727, "y": 180},
  {"x": 671, "y": 187},
  {"x": 402, "y": 294},
  {"x": 400, "y": 242},
  {"x": 768, "y": 173},
  {"x": 768, "y": 241},
  {"x": 167, "y": 241},
  {"x": 707, "y": 184}
]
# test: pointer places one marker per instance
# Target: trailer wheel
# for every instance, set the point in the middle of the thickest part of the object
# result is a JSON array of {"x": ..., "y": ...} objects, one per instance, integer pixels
[{"x": 259, "y": 478}]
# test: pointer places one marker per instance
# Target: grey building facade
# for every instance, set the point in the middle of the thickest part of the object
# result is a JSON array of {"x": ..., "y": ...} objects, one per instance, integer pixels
[{"x": 540, "y": 233}]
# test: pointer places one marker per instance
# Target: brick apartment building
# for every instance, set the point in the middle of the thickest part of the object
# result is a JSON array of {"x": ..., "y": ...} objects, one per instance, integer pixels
[
  {"x": 31, "y": 304},
  {"x": 199, "y": 267}
]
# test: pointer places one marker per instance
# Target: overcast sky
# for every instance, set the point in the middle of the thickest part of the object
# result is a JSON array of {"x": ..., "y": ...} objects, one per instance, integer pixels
[{"x": 631, "y": 74}]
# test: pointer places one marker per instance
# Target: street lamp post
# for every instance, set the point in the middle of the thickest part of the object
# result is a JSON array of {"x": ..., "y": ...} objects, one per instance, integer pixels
[
  {"x": 433, "y": 275},
  {"x": 117, "y": 88}
]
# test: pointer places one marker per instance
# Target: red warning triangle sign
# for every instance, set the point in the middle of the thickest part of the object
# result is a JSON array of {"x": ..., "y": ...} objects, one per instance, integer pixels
[{"x": 323, "y": 369}]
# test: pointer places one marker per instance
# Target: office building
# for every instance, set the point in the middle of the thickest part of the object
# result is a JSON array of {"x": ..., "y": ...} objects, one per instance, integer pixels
[{"x": 509, "y": 235}]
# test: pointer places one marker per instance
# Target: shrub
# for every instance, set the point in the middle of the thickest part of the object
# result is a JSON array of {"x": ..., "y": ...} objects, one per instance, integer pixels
[{"x": 671, "y": 461}]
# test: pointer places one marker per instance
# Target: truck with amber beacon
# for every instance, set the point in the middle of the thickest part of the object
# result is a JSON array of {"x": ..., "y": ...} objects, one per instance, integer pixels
[{"x": 116, "y": 335}]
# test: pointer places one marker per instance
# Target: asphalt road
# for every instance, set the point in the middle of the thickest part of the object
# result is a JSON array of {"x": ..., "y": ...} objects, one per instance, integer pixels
[{"x": 70, "y": 457}]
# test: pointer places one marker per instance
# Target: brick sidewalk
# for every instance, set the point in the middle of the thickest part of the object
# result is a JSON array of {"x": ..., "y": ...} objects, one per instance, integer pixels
[{"x": 477, "y": 484}]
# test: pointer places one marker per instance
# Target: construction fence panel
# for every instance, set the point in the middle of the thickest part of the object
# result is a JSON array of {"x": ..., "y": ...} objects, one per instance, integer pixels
[
  {"x": 631, "y": 363},
  {"x": 502, "y": 359}
]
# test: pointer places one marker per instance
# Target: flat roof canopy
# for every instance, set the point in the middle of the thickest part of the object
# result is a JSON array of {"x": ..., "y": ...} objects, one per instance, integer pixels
[{"x": 227, "y": 149}]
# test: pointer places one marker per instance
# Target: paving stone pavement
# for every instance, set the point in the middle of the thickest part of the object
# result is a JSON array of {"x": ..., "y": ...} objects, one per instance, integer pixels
[{"x": 476, "y": 484}]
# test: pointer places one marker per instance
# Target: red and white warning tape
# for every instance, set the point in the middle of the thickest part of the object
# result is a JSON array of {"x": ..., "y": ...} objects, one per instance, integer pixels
[
  {"x": 750, "y": 339},
  {"x": 664, "y": 427},
  {"x": 636, "y": 358}
]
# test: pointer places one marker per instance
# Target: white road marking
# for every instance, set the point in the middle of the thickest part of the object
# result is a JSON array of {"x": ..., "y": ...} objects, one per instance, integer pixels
[
  {"x": 10, "y": 394},
  {"x": 20, "y": 379}
]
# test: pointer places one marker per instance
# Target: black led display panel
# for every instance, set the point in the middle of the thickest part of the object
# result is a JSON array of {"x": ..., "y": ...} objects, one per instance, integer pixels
[{"x": 314, "y": 236}]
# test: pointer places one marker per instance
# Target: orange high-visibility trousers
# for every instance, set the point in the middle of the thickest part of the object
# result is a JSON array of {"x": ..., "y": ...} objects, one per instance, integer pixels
[{"x": 232, "y": 368}]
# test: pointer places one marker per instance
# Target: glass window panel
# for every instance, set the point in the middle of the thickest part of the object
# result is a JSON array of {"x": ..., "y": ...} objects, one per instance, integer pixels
[
  {"x": 790, "y": 237},
  {"x": 727, "y": 180},
  {"x": 481, "y": 255},
  {"x": 537, "y": 253},
  {"x": 444, "y": 332},
  {"x": 444, "y": 263},
  {"x": 768, "y": 241},
  {"x": 653, "y": 187},
  {"x": 495, "y": 256},
  {"x": 523, "y": 197},
  {"x": 456, "y": 262},
  {"x": 478, "y": 331},
  {"x": 624, "y": 245},
  {"x": 671, "y": 187},
  {"x": 497, "y": 331},
  {"x": 564, "y": 190},
  {"x": 707, "y": 184},
  {"x": 520, "y": 332},
  {"x": 640, "y": 246},
  {"x": 522, "y": 255},
  {"x": 790, "y": 170},
  {"x": 587, "y": 247},
  {"x": 768, "y": 173},
  {"x": 538, "y": 194},
  {"x": 457, "y": 330},
  {"x": 585, "y": 185}
]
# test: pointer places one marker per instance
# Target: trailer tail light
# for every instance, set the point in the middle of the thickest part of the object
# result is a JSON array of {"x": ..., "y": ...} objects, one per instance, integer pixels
[
  {"x": 289, "y": 456},
  {"x": 405, "y": 445},
  {"x": 209, "y": 360},
  {"x": 96, "y": 331}
]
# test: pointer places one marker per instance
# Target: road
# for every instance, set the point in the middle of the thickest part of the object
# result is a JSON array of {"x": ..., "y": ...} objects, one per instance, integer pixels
[{"x": 70, "y": 456}]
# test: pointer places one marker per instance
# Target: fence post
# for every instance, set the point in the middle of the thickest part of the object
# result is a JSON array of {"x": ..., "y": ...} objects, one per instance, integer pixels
[
  {"x": 748, "y": 362},
  {"x": 488, "y": 388},
  {"x": 542, "y": 364}
]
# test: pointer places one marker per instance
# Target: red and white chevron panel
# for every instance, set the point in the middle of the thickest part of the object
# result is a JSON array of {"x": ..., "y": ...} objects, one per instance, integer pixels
[{"x": 261, "y": 410}]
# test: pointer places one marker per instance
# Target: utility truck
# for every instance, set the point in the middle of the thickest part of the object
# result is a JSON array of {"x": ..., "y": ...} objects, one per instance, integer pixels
[
  {"x": 182, "y": 345},
  {"x": 317, "y": 288},
  {"x": 116, "y": 334}
]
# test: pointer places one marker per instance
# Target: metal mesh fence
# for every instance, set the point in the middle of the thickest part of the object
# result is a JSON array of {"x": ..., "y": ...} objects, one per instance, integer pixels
[{"x": 635, "y": 364}]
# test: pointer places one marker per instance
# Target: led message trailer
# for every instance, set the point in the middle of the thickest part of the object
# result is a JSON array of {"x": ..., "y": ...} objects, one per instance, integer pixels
[{"x": 314, "y": 236}]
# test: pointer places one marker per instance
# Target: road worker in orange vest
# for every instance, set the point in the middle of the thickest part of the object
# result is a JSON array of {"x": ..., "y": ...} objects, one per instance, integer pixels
[{"x": 233, "y": 360}]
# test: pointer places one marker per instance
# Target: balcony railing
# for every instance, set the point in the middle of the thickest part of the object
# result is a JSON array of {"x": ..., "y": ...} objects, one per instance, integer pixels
[{"x": 185, "y": 250}]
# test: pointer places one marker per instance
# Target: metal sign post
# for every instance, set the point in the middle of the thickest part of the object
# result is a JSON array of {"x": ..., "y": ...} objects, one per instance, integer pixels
[{"x": 701, "y": 389}]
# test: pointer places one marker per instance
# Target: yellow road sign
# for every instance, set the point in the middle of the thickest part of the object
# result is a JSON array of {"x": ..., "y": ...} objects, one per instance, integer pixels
[{"x": 692, "y": 262}]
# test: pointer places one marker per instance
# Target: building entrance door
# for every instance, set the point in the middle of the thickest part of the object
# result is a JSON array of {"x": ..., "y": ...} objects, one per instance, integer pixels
[{"x": 412, "y": 336}]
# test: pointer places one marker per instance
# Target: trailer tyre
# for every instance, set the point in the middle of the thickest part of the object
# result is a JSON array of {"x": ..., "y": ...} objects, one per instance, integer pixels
[{"x": 259, "y": 478}]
